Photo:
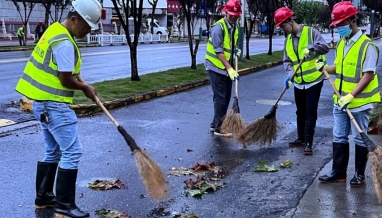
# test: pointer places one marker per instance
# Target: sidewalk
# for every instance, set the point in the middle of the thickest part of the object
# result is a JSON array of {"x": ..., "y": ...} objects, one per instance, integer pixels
[{"x": 340, "y": 200}]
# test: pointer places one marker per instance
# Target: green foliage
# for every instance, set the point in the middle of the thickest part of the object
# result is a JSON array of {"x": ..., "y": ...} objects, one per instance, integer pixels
[{"x": 306, "y": 11}]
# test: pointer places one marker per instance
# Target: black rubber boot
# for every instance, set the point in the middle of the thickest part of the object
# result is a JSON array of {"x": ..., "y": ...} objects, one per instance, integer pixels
[
  {"x": 340, "y": 164},
  {"x": 360, "y": 164},
  {"x": 309, "y": 134},
  {"x": 46, "y": 173},
  {"x": 66, "y": 194},
  {"x": 300, "y": 141}
]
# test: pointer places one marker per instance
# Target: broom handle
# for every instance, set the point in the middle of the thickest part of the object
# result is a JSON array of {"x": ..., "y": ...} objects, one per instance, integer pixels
[
  {"x": 294, "y": 73},
  {"x": 236, "y": 80},
  {"x": 339, "y": 96},
  {"x": 99, "y": 103}
]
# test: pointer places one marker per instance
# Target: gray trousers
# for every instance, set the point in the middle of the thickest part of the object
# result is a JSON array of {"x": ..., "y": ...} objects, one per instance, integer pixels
[{"x": 222, "y": 88}]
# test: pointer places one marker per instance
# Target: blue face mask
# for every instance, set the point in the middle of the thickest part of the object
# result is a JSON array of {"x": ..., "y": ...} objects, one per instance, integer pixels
[{"x": 344, "y": 31}]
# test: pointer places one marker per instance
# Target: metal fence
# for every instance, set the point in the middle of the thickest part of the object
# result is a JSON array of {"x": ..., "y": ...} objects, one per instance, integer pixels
[{"x": 109, "y": 39}]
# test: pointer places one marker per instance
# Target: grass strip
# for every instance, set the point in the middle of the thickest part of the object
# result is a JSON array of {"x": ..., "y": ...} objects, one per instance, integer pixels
[{"x": 122, "y": 88}]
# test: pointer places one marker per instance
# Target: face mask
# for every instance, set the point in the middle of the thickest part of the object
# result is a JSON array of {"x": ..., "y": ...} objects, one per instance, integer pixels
[{"x": 344, "y": 31}]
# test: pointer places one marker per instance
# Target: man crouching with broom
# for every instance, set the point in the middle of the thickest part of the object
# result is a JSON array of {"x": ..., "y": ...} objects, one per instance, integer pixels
[
  {"x": 303, "y": 43},
  {"x": 219, "y": 61}
]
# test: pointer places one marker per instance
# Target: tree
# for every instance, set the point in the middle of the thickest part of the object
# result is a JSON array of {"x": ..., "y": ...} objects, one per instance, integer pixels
[
  {"x": 123, "y": 9},
  {"x": 306, "y": 11},
  {"x": 331, "y": 3},
  {"x": 153, "y": 4},
  {"x": 248, "y": 30},
  {"x": 28, "y": 8},
  {"x": 373, "y": 4},
  {"x": 323, "y": 14},
  {"x": 269, "y": 7},
  {"x": 211, "y": 8},
  {"x": 187, "y": 7},
  {"x": 59, "y": 6}
]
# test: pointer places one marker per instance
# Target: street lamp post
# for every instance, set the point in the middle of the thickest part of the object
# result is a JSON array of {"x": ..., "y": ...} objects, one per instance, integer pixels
[{"x": 241, "y": 29}]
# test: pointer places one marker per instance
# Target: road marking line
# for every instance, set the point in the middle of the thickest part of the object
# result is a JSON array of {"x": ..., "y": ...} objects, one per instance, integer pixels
[
  {"x": 13, "y": 60},
  {"x": 5, "y": 122},
  {"x": 160, "y": 57}
]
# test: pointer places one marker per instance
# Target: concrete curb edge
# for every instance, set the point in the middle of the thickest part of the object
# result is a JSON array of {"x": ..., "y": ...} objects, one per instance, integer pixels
[{"x": 88, "y": 109}]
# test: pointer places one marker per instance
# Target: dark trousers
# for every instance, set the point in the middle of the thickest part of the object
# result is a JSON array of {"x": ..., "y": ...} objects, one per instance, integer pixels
[
  {"x": 222, "y": 88},
  {"x": 21, "y": 40},
  {"x": 307, "y": 106}
]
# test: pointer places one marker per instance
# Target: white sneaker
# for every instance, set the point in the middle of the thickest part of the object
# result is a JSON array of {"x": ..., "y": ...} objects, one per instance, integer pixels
[
  {"x": 212, "y": 129},
  {"x": 223, "y": 134}
]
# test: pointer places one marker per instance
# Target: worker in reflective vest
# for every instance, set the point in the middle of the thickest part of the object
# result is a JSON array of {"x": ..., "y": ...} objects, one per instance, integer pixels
[
  {"x": 21, "y": 35},
  {"x": 302, "y": 43},
  {"x": 50, "y": 80},
  {"x": 354, "y": 66},
  {"x": 219, "y": 61}
]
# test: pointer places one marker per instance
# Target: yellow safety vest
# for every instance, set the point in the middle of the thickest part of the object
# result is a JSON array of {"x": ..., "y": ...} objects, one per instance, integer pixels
[
  {"x": 40, "y": 79},
  {"x": 349, "y": 72},
  {"x": 308, "y": 72},
  {"x": 20, "y": 31},
  {"x": 210, "y": 53}
]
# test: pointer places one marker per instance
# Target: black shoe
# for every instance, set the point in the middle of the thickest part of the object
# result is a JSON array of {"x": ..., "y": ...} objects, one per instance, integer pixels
[
  {"x": 297, "y": 143},
  {"x": 308, "y": 150},
  {"x": 46, "y": 173},
  {"x": 360, "y": 164},
  {"x": 66, "y": 194},
  {"x": 340, "y": 164}
]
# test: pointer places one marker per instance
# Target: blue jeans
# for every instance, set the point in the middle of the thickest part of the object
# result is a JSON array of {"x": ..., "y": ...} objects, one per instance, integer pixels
[
  {"x": 60, "y": 133},
  {"x": 342, "y": 125}
]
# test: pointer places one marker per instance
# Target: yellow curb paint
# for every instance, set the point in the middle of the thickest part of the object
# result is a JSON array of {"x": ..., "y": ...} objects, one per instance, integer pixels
[
  {"x": 5, "y": 122},
  {"x": 164, "y": 92}
]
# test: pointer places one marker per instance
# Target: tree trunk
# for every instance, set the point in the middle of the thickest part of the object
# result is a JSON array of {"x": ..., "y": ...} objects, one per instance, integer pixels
[
  {"x": 248, "y": 33},
  {"x": 47, "y": 14},
  {"x": 193, "y": 55},
  {"x": 134, "y": 64},
  {"x": 270, "y": 32}
]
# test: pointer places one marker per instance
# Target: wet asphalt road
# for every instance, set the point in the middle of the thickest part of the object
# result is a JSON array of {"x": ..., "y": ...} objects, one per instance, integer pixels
[
  {"x": 110, "y": 62},
  {"x": 167, "y": 127}
]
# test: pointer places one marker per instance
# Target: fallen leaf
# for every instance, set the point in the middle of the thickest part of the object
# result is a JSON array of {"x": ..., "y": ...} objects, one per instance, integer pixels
[
  {"x": 191, "y": 182},
  {"x": 105, "y": 213},
  {"x": 180, "y": 171},
  {"x": 263, "y": 167},
  {"x": 185, "y": 216},
  {"x": 203, "y": 187},
  {"x": 207, "y": 167},
  {"x": 107, "y": 184},
  {"x": 286, "y": 164}
]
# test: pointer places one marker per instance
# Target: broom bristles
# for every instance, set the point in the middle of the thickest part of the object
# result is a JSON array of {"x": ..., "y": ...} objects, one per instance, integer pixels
[
  {"x": 375, "y": 160},
  {"x": 233, "y": 123},
  {"x": 151, "y": 174},
  {"x": 262, "y": 131}
]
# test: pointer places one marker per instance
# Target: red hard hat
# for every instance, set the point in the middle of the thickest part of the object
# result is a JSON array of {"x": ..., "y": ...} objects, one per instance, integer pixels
[
  {"x": 233, "y": 7},
  {"x": 282, "y": 14},
  {"x": 342, "y": 11},
  {"x": 40, "y": 22}
]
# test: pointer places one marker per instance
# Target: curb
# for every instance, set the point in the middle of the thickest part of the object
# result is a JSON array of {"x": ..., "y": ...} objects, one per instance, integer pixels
[
  {"x": 89, "y": 109},
  {"x": 31, "y": 48}
]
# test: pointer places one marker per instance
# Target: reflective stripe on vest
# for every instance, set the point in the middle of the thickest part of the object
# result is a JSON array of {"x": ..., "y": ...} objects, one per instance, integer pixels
[
  {"x": 308, "y": 72},
  {"x": 351, "y": 67},
  {"x": 210, "y": 51},
  {"x": 40, "y": 79}
]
